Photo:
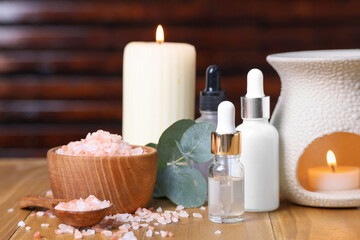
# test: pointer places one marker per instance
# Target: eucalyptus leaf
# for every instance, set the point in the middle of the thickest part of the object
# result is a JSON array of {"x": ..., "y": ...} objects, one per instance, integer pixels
[
  {"x": 183, "y": 185},
  {"x": 160, "y": 164},
  {"x": 183, "y": 154},
  {"x": 196, "y": 142},
  {"x": 167, "y": 149},
  {"x": 157, "y": 192}
]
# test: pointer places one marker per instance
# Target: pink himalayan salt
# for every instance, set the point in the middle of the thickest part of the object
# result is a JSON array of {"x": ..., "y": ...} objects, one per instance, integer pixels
[
  {"x": 45, "y": 225},
  {"x": 37, "y": 235},
  {"x": 49, "y": 194},
  {"x": 78, "y": 234},
  {"x": 197, "y": 215},
  {"x": 128, "y": 221},
  {"x": 88, "y": 204},
  {"x": 99, "y": 144},
  {"x": 21, "y": 224},
  {"x": 107, "y": 233}
]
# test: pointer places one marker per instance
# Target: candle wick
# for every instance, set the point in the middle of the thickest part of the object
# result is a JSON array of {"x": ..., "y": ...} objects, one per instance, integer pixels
[{"x": 333, "y": 168}]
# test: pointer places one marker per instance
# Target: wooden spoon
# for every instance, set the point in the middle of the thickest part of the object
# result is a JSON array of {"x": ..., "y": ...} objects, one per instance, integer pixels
[{"x": 73, "y": 218}]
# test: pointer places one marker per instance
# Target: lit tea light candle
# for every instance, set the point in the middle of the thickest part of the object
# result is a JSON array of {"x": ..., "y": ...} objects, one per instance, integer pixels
[
  {"x": 158, "y": 87},
  {"x": 333, "y": 177}
]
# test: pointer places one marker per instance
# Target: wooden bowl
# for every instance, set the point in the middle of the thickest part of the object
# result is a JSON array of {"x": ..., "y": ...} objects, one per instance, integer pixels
[{"x": 127, "y": 181}]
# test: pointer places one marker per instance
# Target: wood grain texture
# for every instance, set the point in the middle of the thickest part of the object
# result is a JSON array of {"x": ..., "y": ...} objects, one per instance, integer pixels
[
  {"x": 20, "y": 177},
  {"x": 297, "y": 222},
  {"x": 127, "y": 181},
  {"x": 17, "y": 178}
]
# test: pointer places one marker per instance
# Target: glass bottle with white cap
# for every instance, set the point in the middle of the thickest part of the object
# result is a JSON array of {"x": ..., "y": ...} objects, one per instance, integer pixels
[{"x": 226, "y": 173}]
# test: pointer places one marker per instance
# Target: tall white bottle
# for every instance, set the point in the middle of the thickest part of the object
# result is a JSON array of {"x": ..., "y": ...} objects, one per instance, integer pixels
[{"x": 260, "y": 148}]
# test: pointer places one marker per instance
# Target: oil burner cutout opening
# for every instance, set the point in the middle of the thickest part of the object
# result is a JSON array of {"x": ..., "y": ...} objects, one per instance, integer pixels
[{"x": 331, "y": 163}]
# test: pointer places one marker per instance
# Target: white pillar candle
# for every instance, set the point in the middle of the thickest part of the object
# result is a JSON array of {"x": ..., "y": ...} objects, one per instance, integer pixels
[
  {"x": 158, "y": 88},
  {"x": 333, "y": 178}
]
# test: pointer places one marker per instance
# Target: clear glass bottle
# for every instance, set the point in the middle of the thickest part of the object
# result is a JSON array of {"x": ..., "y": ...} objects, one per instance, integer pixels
[
  {"x": 226, "y": 189},
  {"x": 226, "y": 173}
]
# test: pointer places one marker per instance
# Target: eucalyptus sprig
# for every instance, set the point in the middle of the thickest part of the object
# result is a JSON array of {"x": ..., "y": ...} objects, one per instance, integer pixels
[{"x": 180, "y": 144}]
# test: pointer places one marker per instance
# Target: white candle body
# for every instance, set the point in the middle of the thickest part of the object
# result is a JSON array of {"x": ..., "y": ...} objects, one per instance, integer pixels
[
  {"x": 158, "y": 88},
  {"x": 324, "y": 179}
]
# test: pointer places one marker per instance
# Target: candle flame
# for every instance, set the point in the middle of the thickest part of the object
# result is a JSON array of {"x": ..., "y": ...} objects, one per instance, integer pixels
[
  {"x": 160, "y": 34},
  {"x": 331, "y": 160}
]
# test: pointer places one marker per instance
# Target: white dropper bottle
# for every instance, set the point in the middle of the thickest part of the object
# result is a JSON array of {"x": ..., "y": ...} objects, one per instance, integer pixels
[{"x": 260, "y": 148}]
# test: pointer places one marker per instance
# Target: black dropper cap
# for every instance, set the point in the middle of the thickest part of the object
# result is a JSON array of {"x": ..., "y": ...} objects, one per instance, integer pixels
[{"x": 212, "y": 95}]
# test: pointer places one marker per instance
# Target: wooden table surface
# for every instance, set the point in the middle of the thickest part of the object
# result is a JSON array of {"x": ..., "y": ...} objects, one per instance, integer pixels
[{"x": 20, "y": 177}]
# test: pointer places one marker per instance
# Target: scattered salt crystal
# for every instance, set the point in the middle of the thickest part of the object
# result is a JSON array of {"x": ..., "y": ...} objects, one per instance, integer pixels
[
  {"x": 32, "y": 214},
  {"x": 125, "y": 225},
  {"x": 170, "y": 234},
  {"x": 183, "y": 214},
  {"x": 49, "y": 194},
  {"x": 129, "y": 236},
  {"x": 202, "y": 208},
  {"x": 179, "y": 207},
  {"x": 58, "y": 231},
  {"x": 66, "y": 228},
  {"x": 149, "y": 233},
  {"x": 135, "y": 225},
  {"x": 78, "y": 234},
  {"x": 10, "y": 210},
  {"x": 106, "y": 233},
  {"x": 151, "y": 228},
  {"x": 156, "y": 224},
  {"x": 163, "y": 233},
  {"x": 100, "y": 143},
  {"x": 88, "y": 204},
  {"x": 157, "y": 233},
  {"x": 197, "y": 215},
  {"x": 217, "y": 232},
  {"x": 144, "y": 225},
  {"x": 45, "y": 225},
  {"x": 21, "y": 224},
  {"x": 40, "y": 213},
  {"x": 175, "y": 220},
  {"x": 159, "y": 209},
  {"x": 88, "y": 232},
  {"x": 37, "y": 235},
  {"x": 27, "y": 228}
]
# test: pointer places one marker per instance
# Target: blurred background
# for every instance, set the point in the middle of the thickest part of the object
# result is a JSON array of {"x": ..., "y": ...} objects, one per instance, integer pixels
[{"x": 61, "y": 61}]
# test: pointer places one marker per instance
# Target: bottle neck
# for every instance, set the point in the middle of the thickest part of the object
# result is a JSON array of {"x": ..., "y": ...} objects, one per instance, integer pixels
[
  {"x": 258, "y": 120},
  {"x": 206, "y": 112},
  {"x": 226, "y": 158}
]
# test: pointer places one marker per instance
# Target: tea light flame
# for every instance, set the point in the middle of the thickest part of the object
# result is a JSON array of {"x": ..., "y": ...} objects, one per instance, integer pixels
[
  {"x": 331, "y": 160},
  {"x": 160, "y": 34}
]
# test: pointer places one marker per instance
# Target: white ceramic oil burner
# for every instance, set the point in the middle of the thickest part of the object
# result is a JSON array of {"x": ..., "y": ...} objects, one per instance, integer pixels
[{"x": 319, "y": 110}]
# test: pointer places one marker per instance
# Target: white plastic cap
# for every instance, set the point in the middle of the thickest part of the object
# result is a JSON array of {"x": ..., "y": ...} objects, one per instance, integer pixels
[
  {"x": 226, "y": 118},
  {"x": 255, "y": 84}
]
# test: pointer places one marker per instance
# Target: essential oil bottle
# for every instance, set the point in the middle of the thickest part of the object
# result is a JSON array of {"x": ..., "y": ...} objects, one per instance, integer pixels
[
  {"x": 260, "y": 148},
  {"x": 226, "y": 173},
  {"x": 210, "y": 98}
]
